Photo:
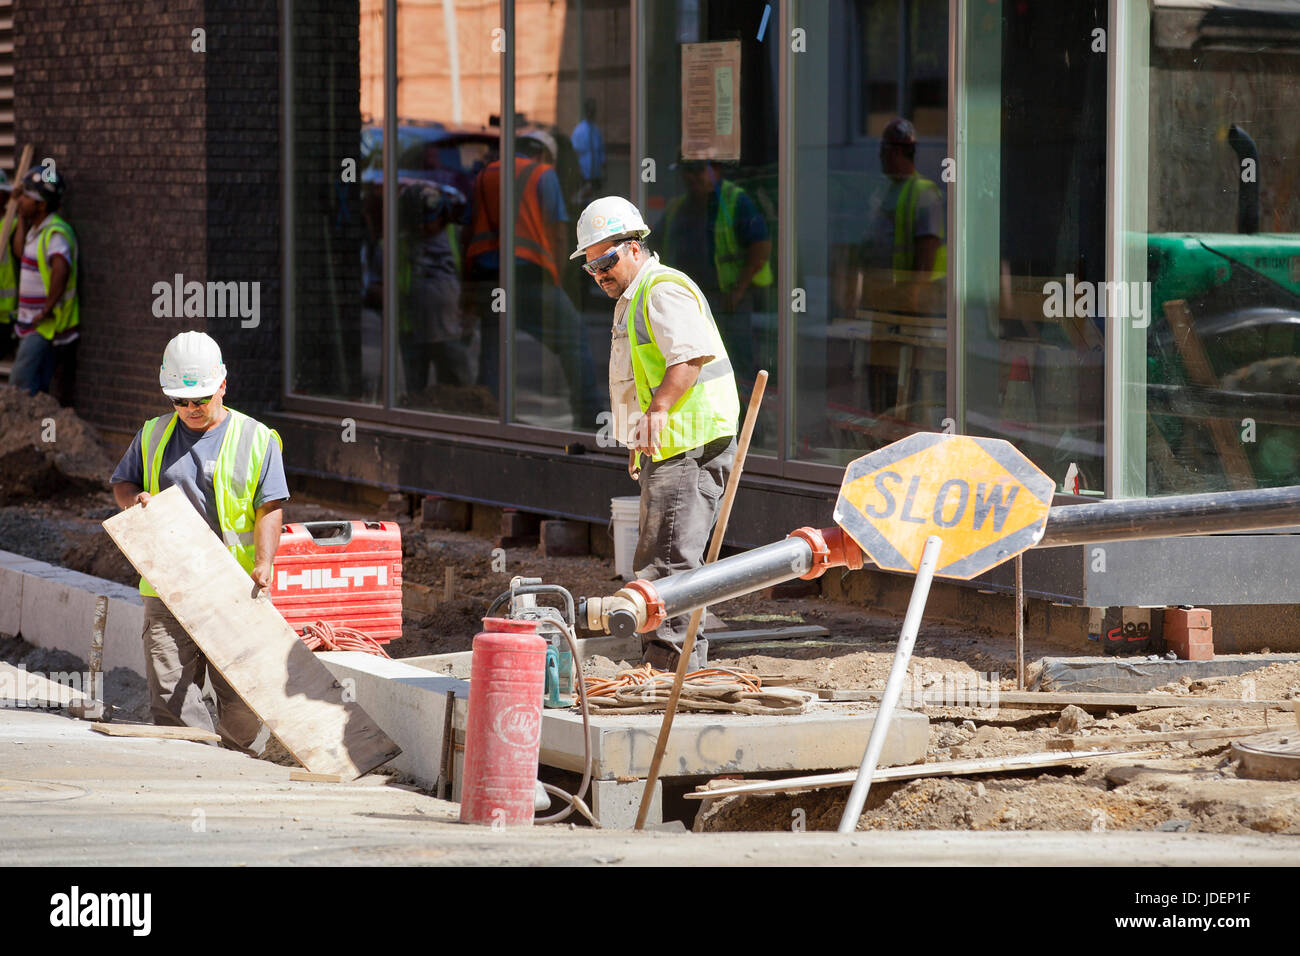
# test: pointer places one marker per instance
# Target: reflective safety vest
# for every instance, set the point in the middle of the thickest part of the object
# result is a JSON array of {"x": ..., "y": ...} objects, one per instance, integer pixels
[
  {"x": 66, "y": 312},
  {"x": 729, "y": 254},
  {"x": 904, "y": 260},
  {"x": 8, "y": 287},
  {"x": 234, "y": 482},
  {"x": 710, "y": 408},
  {"x": 532, "y": 238}
]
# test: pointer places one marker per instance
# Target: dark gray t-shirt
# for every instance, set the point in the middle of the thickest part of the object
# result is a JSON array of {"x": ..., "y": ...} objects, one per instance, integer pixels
[{"x": 190, "y": 457}]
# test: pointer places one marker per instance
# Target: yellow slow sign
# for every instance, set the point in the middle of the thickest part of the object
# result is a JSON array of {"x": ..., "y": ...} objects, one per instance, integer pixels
[{"x": 981, "y": 496}]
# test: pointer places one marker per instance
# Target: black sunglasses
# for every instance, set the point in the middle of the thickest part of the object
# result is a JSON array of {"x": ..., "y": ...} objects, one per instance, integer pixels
[
  {"x": 606, "y": 262},
  {"x": 196, "y": 402}
]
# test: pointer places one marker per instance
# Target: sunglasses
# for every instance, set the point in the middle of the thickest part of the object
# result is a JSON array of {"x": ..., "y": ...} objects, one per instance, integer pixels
[
  {"x": 606, "y": 262},
  {"x": 196, "y": 402}
]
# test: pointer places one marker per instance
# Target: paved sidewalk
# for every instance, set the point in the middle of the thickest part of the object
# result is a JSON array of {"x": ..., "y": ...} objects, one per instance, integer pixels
[{"x": 69, "y": 796}]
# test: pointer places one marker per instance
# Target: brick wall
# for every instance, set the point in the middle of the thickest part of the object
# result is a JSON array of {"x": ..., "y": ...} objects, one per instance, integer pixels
[
  {"x": 242, "y": 104},
  {"x": 172, "y": 163}
]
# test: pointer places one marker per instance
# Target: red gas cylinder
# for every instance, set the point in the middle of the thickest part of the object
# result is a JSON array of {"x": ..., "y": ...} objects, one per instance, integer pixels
[{"x": 503, "y": 733}]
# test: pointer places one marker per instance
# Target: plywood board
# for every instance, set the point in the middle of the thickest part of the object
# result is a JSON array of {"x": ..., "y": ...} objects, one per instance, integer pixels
[
  {"x": 152, "y": 730},
  {"x": 244, "y": 637}
]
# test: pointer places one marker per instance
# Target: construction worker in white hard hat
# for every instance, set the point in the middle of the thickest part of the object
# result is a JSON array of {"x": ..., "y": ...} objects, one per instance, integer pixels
[
  {"x": 229, "y": 467},
  {"x": 674, "y": 399}
]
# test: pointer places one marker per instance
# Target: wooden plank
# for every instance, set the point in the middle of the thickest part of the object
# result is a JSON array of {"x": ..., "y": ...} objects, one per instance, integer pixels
[
  {"x": 306, "y": 776},
  {"x": 11, "y": 207},
  {"x": 1037, "y": 700},
  {"x": 766, "y": 634},
  {"x": 152, "y": 730},
  {"x": 244, "y": 637},
  {"x": 943, "y": 768},
  {"x": 1151, "y": 737},
  {"x": 1227, "y": 440},
  {"x": 27, "y": 688}
]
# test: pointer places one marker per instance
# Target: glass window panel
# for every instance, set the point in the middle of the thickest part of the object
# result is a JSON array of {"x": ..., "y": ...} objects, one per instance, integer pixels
[
  {"x": 1034, "y": 304},
  {"x": 1223, "y": 248},
  {"x": 716, "y": 220},
  {"x": 572, "y": 136},
  {"x": 337, "y": 112},
  {"x": 448, "y": 101},
  {"x": 870, "y": 234}
]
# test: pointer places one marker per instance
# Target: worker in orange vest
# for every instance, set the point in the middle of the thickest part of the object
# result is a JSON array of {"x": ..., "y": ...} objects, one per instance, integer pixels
[{"x": 540, "y": 307}]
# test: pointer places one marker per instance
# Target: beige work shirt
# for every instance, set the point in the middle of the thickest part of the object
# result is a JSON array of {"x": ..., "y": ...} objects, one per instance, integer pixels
[{"x": 681, "y": 331}]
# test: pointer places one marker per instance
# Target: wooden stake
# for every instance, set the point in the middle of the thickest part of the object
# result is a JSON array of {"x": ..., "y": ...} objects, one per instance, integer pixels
[
  {"x": 11, "y": 208},
  {"x": 449, "y": 584},
  {"x": 1020, "y": 623},
  {"x": 715, "y": 546}
]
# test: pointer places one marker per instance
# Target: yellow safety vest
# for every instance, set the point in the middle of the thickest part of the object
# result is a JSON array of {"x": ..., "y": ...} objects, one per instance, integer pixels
[
  {"x": 66, "y": 312},
  {"x": 728, "y": 253},
  {"x": 234, "y": 482},
  {"x": 8, "y": 287},
  {"x": 710, "y": 407},
  {"x": 904, "y": 221}
]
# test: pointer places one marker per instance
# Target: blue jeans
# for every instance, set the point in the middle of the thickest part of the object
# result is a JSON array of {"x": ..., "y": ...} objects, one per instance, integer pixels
[{"x": 33, "y": 365}]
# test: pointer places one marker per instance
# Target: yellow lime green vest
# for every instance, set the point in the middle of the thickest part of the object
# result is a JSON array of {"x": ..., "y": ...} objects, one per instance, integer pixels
[
  {"x": 710, "y": 408},
  {"x": 234, "y": 482},
  {"x": 66, "y": 313},
  {"x": 8, "y": 287},
  {"x": 904, "y": 220},
  {"x": 728, "y": 253}
]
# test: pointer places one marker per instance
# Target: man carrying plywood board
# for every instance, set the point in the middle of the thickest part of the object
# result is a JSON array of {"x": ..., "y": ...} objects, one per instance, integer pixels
[{"x": 203, "y": 471}]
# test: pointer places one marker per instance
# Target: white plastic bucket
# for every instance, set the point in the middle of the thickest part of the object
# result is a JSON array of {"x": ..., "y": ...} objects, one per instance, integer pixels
[{"x": 625, "y": 515}]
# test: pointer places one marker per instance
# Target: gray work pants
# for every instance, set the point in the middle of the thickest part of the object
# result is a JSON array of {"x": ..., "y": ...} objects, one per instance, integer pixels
[
  {"x": 680, "y": 497},
  {"x": 175, "y": 668}
]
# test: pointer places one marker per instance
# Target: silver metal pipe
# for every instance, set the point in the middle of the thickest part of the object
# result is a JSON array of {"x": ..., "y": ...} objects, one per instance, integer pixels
[{"x": 1174, "y": 516}]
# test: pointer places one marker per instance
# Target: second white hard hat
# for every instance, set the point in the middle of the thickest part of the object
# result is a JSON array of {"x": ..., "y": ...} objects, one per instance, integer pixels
[
  {"x": 191, "y": 366},
  {"x": 606, "y": 218}
]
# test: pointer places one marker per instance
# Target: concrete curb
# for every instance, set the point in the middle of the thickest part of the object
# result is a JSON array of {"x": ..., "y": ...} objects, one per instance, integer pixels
[{"x": 53, "y": 607}]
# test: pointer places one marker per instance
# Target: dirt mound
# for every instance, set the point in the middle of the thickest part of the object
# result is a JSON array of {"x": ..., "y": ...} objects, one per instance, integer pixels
[{"x": 46, "y": 450}]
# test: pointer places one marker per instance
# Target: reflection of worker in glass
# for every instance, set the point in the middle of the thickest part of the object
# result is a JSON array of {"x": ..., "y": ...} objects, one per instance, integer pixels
[
  {"x": 540, "y": 306},
  {"x": 904, "y": 245},
  {"x": 589, "y": 144},
  {"x": 716, "y": 222},
  {"x": 429, "y": 323}
]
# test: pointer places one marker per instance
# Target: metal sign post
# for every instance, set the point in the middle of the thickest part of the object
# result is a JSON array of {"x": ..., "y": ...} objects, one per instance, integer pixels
[
  {"x": 894, "y": 687},
  {"x": 979, "y": 500}
]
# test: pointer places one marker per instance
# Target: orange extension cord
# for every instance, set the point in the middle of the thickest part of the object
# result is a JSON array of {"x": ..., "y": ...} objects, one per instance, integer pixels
[
  {"x": 322, "y": 636},
  {"x": 645, "y": 674}
]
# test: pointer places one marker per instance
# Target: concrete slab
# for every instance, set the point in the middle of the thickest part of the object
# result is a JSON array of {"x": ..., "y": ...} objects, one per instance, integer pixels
[
  {"x": 54, "y": 607},
  {"x": 57, "y": 614},
  {"x": 616, "y": 804},
  {"x": 832, "y": 737},
  {"x": 1132, "y": 675},
  {"x": 458, "y": 664},
  {"x": 408, "y": 703}
]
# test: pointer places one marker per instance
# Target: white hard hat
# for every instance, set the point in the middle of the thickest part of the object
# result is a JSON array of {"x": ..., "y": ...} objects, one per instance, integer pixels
[
  {"x": 191, "y": 366},
  {"x": 606, "y": 218}
]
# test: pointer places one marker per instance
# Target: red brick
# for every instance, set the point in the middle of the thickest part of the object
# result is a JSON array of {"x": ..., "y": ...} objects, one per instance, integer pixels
[{"x": 1187, "y": 617}]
